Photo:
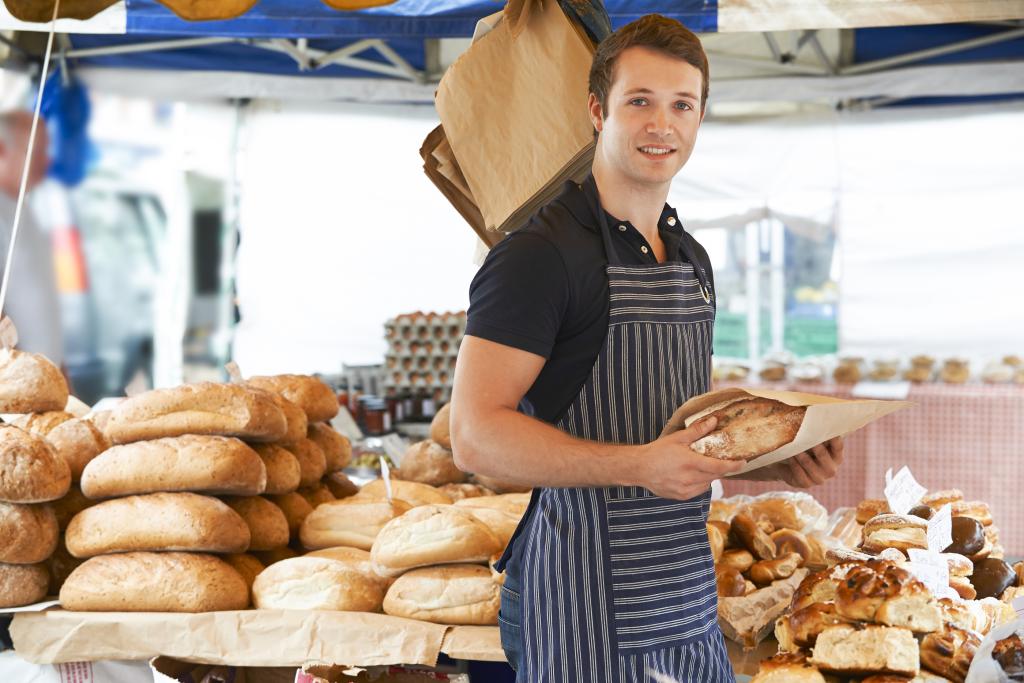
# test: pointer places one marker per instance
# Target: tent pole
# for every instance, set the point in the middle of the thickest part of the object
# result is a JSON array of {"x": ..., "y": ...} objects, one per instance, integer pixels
[
  {"x": 962, "y": 46},
  {"x": 147, "y": 47}
]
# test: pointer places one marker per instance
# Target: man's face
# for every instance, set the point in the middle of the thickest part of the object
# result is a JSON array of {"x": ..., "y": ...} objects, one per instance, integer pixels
[{"x": 652, "y": 117}]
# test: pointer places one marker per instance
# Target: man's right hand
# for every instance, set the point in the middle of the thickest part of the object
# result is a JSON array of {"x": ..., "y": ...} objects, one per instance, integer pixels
[{"x": 668, "y": 468}]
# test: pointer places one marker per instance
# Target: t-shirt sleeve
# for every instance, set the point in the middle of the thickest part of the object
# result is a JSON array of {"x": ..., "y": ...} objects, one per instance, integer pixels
[{"x": 520, "y": 295}]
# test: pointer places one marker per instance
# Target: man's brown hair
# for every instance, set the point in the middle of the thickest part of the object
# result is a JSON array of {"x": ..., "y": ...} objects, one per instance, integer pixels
[{"x": 654, "y": 32}]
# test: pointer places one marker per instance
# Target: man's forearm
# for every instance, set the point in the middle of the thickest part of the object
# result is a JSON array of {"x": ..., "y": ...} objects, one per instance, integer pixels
[{"x": 513, "y": 447}]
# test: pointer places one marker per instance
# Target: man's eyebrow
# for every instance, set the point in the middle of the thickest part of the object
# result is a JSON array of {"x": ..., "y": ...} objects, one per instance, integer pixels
[{"x": 648, "y": 91}]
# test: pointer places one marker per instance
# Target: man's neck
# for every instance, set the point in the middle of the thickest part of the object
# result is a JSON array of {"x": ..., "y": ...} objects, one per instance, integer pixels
[{"x": 641, "y": 205}]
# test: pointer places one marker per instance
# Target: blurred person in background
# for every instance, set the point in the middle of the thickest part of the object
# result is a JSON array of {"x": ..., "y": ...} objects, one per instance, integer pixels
[{"x": 32, "y": 300}]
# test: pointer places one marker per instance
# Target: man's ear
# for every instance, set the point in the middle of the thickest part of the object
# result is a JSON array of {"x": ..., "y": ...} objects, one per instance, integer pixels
[{"x": 596, "y": 113}]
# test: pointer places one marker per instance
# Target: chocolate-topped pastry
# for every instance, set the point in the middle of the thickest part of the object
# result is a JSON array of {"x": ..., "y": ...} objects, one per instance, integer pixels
[
  {"x": 991, "y": 577},
  {"x": 968, "y": 536},
  {"x": 922, "y": 511},
  {"x": 1018, "y": 569},
  {"x": 1009, "y": 652}
]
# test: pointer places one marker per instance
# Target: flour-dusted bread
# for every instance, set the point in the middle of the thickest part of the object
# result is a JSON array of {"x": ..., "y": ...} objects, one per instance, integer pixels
[
  {"x": 433, "y": 534},
  {"x": 454, "y": 594},
  {"x": 309, "y": 583},
  {"x": 30, "y": 469},
  {"x": 428, "y": 462},
  {"x": 155, "y": 522},
  {"x": 747, "y": 428},
  {"x": 283, "y": 470},
  {"x": 30, "y": 383},
  {"x": 154, "y": 582},
  {"x": 204, "y": 464},
  {"x": 268, "y": 527},
  {"x": 22, "y": 584},
  {"x": 312, "y": 464},
  {"x": 309, "y": 393},
  {"x": 337, "y": 448},
  {"x": 411, "y": 492},
  {"x": 202, "y": 408},
  {"x": 440, "y": 427},
  {"x": 28, "y": 533},
  {"x": 353, "y": 522}
]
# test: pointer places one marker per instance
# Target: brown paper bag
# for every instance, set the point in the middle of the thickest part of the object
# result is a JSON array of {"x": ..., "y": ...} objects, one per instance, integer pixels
[{"x": 826, "y": 418}]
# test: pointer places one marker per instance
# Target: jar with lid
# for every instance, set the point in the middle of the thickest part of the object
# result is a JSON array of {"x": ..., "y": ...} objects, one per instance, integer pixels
[{"x": 376, "y": 420}]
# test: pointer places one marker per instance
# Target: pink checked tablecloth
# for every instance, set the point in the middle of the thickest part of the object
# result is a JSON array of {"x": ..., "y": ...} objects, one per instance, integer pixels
[{"x": 969, "y": 437}]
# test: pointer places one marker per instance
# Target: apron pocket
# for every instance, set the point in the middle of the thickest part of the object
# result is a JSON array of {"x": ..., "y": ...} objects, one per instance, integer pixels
[{"x": 510, "y": 621}]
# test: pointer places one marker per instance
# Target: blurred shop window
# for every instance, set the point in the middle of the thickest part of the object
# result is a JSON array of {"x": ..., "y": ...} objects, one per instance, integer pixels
[{"x": 777, "y": 290}]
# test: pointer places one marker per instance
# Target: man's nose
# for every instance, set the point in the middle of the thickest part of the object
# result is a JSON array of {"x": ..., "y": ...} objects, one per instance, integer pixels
[{"x": 658, "y": 123}]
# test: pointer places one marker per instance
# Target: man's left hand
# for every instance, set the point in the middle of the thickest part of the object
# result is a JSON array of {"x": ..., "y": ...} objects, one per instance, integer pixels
[{"x": 807, "y": 469}]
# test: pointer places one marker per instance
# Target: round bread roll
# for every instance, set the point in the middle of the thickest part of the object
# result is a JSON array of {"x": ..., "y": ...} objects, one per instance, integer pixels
[
  {"x": 22, "y": 584},
  {"x": 747, "y": 534},
  {"x": 41, "y": 424},
  {"x": 503, "y": 524},
  {"x": 787, "y": 667},
  {"x": 315, "y": 495},
  {"x": 316, "y": 583},
  {"x": 337, "y": 448},
  {"x": 950, "y": 652},
  {"x": 872, "y": 507},
  {"x": 312, "y": 464},
  {"x": 716, "y": 541},
  {"x": 433, "y": 534},
  {"x": 739, "y": 559},
  {"x": 340, "y": 485},
  {"x": 158, "y": 521},
  {"x": 268, "y": 527},
  {"x": 411, "y": 492},
  {"x": 353, "y": 522},
  {"x": 269, "y": 557},
  {"x": 78, "y": 442},
  {"x": 459, "y": 492},
  {"x": 295, "y": 508},
  {"x": 430, "y": 463},
  {"x": 30, "y": 470},
  {"x": 247, "y": 566},
  {"x": 791, "y": 541},
  {"x": 457, "y": 594},
  {"x": 30, "y": 383},
  {"x": 28, "y": 533},
  {"x": 296, "y": 422},
  {"x": 70, "y": 505},
  {"x": 154, "y": 582},
  {"x": 729, "y": 582},
  {"x": 763, "y": 573},
  {"x": 283, "y": 470},
  {"x": 514, "y": 503},
  {"x": 747, "y": 427},
  {"x": 309, "y": 393},
  {"x": 203, "y": 464},
  {"x": 204, "y": 408},
  {"x": 499, "y": 486},
  {"x": 355, "y": 559},
  {"x": 440, "y": 429}
]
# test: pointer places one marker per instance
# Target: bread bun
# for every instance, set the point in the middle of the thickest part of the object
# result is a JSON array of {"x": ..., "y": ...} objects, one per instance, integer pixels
[
  {"x": 797, "y": 511},
  {"x": 459, "y": 492},
  {"x": 949, "y": 652},
  {"x": 936, "y": 499},
  {"x": 283, "y": 470},
  {"x": 430, "y": 463},
  {"x": 269, "y": 557},
  {"x": 22, "y": 584},
  {"x": 440, "y": 429},
  {"x": 30, "y": 470},
  {"x": 154, "y": 582},
  {"x": 502, "y": 523},
  {"x": 729, "y": 582},
  {"x": 203, "y": 464},
  {"x": 295, "y": 420},
  {"x": 958, "y": 564},
  {"x": 59, "y": 566},
  {"x": 456, "y": 594},
  {"x": 355, "y": 559},
  {"x": 872, "y": 507},
  {"x": 315, "y": 397},
  {"x": 433, "y": 534},
  {"x": 77, "y": 442},
  {"x": 28, "y": 533},
  {"x": 337, "y": 448},
  {"x": 747, "y": 428},
  {"x": 30, "y": 383},
  {"x": 739, "y": 559},
  {"x": 716, "y": 540},
  {"x": 247, "y": 566},
  {"x": 295, "y": 508},
  {"x": 41, "y": 424},
  {"x": 901, "y": 532},
  {"x": 749, "y": 535},
  {"x": 499, "y": 485},
  {"x": 155, "y": 522},
  {"x": 792, "y": 541},
  {"x": 963, "y": 587},
  {"x": 203, "y": 408},
  {"x": 787, "y": 668},
  {"x": 514, "y": 503},
  {"x": 316, "y": 583},
  {"x": 804, "y": 625},
  {"x": 863, "y": 650},
  {"x": 312, "y": 463},
  {"x": 974, "y": 509},
  {"x": 411, "y": 492},
  {"x": 268, "y": 527},
  {"x": 353, "y": 522},
  {"x": 340, "y": 485},
  {"x": 763, "y": 573},
  {"x": 70, "y": 505},
  {"x": 315, "y": 495},
  {"x": 879, "y": 591}
]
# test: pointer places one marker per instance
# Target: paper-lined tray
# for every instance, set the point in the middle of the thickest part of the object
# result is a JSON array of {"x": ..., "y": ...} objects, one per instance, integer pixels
[
  {"x": 248, "y": 638},
  {"x": 826, "y": 417}
]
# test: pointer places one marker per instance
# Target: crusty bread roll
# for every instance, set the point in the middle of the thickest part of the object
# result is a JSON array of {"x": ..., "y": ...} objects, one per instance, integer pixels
[
  {"x": 747, "y": 428},
  {"x": 411, "y": 492},
  {"x": 950, "y": 652},
  {"x": 716, "y": 540},
  {"x": 729, "y": 582},
  {"x": 70, "y": 505},
  {"x": 351, "y": 522},
  {"x": 309, "y": 393},
  {"x": 315, "y": 495},
  {"x": 295, "y": 509},
  {"x": 296, "y": 422},
  {"x": 440, "y": 429},
  {"x": 312, "y": 464},
  {"x": 458, "y": 492},
  {"x": 355, "y": 559},
  {"x": 247, "y": 566},
  {"x": 30, "y": 383},
  {"x": 500, "y": 486},
  {"x": 514, "y": 503},
  {"x": 283, "y": 470},
  {"x": 430, "y": 463},
  {"x": 763, "y": 573},
  {"x": 791, "y": 541},
  {"x": 787, "y": 667},
  {"x": 340, "y": 485},
  {"x": 881, "y": 592},
  {"x": 502, "y": 523},
  {"x": 157, "y": 521},
  {"x": 202, "y": 408},
  {"x": 871, "y": 507},
  {"x": 316, "y": 583},
  {"x": 78, "y": 442},
  {"x": 747, "y": 534},
  {"x": 456, "y": 594},
  {"x": 863, "y": 650},
  {"x": 268, "y": 527},
  {"x": 337, "y": 448},
  {"x": 41, "y": 424},
  {"x": 22, "y": 584},
  {"x": 154, "y": 582},
  {"x": 433, "y": 534},
  {"x": 269, "y": 557},
  {"x": 206, "y": 464},
  {"x": 30, "y": 470},
  {"x": 28, "y": 533}
]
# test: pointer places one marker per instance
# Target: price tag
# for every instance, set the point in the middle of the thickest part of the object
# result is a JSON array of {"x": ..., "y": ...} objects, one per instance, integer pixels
[
  {"x": 385, "y": 474},
  {"x": 1018, "y": 606},
  {"x": 8, "y": 334},
  {"x": 940, "y": 529},
  {"x": 902, "y": 491},
  {"x": 234, "y": 372},
  {"x": 884, "y": 390},
  {"x": 934, "y": 578}
]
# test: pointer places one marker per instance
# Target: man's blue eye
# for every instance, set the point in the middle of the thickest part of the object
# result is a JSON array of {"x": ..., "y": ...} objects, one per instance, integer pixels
[
  {"x": 638, "y": 99},
  {"x": 683, "y": 105}
]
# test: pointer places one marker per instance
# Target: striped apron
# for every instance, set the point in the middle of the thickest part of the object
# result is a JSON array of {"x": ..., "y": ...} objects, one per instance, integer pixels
[{"x": 616, "y": 584}]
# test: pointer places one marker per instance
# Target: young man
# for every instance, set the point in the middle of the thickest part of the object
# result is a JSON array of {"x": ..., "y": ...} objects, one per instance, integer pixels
[{"x": 587, "y": 328}]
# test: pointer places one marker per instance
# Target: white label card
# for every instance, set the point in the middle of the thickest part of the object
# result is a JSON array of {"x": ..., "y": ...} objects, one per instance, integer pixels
[
  {"x": 1018, "y": 606},
  {"x": 385, "y": 473},
  {"x": 903, "y": 492},
  {"x": 935, "y": 578},
  {"x": 234, "y": 372},
  {"x": 940, "y": 529},
  {"x": 885, "y": 390},
  {"x": 8, "y": 333}
]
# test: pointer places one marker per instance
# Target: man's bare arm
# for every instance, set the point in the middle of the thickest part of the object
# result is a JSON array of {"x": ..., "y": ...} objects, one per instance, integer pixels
[{"x": 490, "y": 437}]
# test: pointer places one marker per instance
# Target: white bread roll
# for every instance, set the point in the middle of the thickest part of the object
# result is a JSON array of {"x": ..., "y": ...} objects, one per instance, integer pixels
[
  {"x": 309, "y": 393},
  {"x": 154, "y": 582},
  {"x": 204, "y": 408},
  {"x": 310, "y": 583},
  {"x": 22, "y": 584},
  {"x": 512, "y": 503},
  {"x": 355, "y": 559},
  {"x": 283, "y": 470},
  {"x": 411, "y": 492},
  {"x": 433, "y": 534},
  {"x": 501, "y": 522},
  {"x": 458, "y": 492},
  {"x": 499, "y": 486},
  {"x": 456, "y": 594},
  {"x": 158, "y": 521},
  {"x": 268, "y": 527},
  {"x": 202, "y": 464},
  {"x": 28, "y": 533},
  {"x": 440, "y": 427},
  {"x": 30, "y": 470},
  {"x": 295, "y": 509},
  {"x": 353, "y": 522},
  {"x": 30, "y": 383},
  {"x": 428, "y": 462},
  {"x": 78, "y": 442},
  {"x": 41, "y": 424},
  {"x": 337, "y": 449},
  {"x": 312, "y": 463}
]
